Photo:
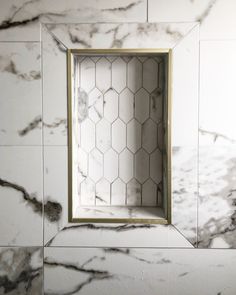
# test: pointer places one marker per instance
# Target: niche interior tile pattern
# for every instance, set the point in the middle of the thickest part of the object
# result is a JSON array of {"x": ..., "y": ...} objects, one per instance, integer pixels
[{"x": 120, "y": 113}]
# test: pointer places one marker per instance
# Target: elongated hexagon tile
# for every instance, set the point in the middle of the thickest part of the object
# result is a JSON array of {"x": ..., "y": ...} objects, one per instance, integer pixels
[
  {"x": 111, "y": 105},
  {"x": 103, "y": 135},
  {"x": 126, "y": 105},
  {"x": 118, "y": 192},
  {"x": 103, "y": 74},
  {"x": 156, "y": 166},
  {"x": 126, "y": 165},
  {"x": 87, "y": 192},
  {"x": 160, "y": 136},
  {"x": 134, "y": 135},
  {"x": 141, "y": 109},
  {"x": 82, "y": 162},
  {"x": 119, "y": 74},
  {"x": 95, "y": 105},
  {"x": 149, "y": 135},
  {"x": 87, "y": 135},
  {"x": 149, "y": 193},
  {"x": 150, "y": 74},
  {"x": 95, "y": 165},
  {"x": 87, "y": 76},
  {"x": 83, "y": 104},
  {"x": 118, "y": 135},
  {"x": 156, "y": 104},
  {"x": 133, "y": 193},
  {"x": 103, "y": 192},
  {"x": 141, "y": 166},
  {"x": 134, "y": 78},
  {"x": 111, "y": 165}
]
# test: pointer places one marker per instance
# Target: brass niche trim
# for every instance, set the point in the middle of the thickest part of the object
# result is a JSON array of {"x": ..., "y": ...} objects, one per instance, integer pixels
[{"x": 70, "y": 53}]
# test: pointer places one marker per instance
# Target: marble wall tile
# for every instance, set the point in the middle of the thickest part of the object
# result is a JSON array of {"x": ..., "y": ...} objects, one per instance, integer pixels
[
  {"x": 217, "y": 197},
  {"x": 216, "y": 17},
  {"x": 217, "y": 93},
  {"x": 21, "y": 101},
  {"x": 140, "y": 271},
  {"x": 21, "y": 270},
  {"x": 19, "y": 20},
  {"x": 21, "y": 196}
]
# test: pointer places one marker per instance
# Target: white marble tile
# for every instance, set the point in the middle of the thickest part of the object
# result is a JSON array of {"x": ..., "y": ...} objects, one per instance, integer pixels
[
  {"x": 21, "y": 270},
  {"x": 21, "y": 196},
  {"x": 141, "y": 271},
  {"x": 119, "y": 35},
  {"x": 207, "y": 13},
  {"x": 54, "y": 90},
  {"x": 19, "y": 20},
  {"x": 111, "y": 165},
  {"x": 87, "y": 74},
  {"x": 141, "y": 109},
  {"x": 111, "y": 105},
  {"x": 103, "y": 135},
  {"x": 95, "y": 165},
  {"x": 134, "y": 74},
  {"x": 88, "y": 135},
  {"x": 118, "y": 192},
  {"x": 126, "y": 105},
  {"x": 103, "y": 192},
  {"x": 126, "y": 165},
  {"x": 21, "y": 102},
  {"x": 119, "y": 74},
  {"x": 217, "y": 94},
  {"x": 141, "y": 168},
  {"x": 118, "y": 135},
  {"x": 95, "y": 105},
  {"x": 156, "y": 166},
  {"x": 87, "y": 192},
  {"x": 133, "y": 193},
  {"x": 217, "y": 197},
  {"x": 103, "y": 74},
  {"x": 149, "y": 136},
  {"x": 134, "y": 135}
]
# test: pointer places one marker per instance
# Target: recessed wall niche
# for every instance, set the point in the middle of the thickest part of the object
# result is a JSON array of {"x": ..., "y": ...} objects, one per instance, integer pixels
[{"x": 119, "y": 136}]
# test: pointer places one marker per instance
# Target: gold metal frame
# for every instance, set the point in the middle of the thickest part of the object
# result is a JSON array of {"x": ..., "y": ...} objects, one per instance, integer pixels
[{"x": 70, "y": 53}]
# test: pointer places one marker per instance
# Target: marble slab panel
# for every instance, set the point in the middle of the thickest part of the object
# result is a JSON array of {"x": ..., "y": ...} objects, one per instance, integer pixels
[
  {"x": 20, "y": 20},
  {"x": 21, "y": 196},
  {"x": 139, "y": 271},
  {"x": 216, "y": 17},
  {"x": 21, "y": 270},
  {"x": 20, "y": 100},
  {"x": 217, "y": 93},
  {"x": 217, "y": 207}
]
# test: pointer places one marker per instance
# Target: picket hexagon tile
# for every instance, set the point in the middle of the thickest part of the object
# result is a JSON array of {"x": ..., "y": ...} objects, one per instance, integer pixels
[
  {"x": 126, "y": 105},
  {"x": 149, "y": 135},
  {"x": 119, "y": 74},
  {"x": 134, "y": 135},
  {"x": 111, "y": 105},
  {"x": 95, "y": 105},
  {"x": 150, "y": 74},
  {"x": 135, "y": 74},
  {"x": 118, "y": 135},
  {"x": 103, "y": 74},
  {"x": 103, "y": 135},
  {"x": 118, "y": 192},
  {"x": 156, "y": 105},
  {"x": 103, "y": 192},
  {"x": 87, "y": 76},
  {"x": 133, "y": 193},
  {"x": 95, "y": 165},
  {"x": 87, "y": 135},
  {"x": 149, "y": 193},
  {"x": 110, "y": 165},
  {"x": 87, "y": 192},
  {"x": 141, "y": 108},
  {"x": 156, "y": 166},
  {"x": 141, "y": 165},
  {"x": 126, "y": 165}
]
